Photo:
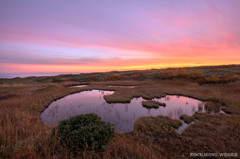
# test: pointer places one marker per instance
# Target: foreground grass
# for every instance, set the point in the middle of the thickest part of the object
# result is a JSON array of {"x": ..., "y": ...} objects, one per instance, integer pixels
[
  {"x": 158, "y": 139},
  {"x": 23, "y": 134},
  {"x": 22, "y": 131},
  {"x": 187, "y": 119}
]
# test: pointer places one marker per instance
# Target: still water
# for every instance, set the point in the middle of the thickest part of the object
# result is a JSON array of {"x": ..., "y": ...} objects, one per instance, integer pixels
[
  {"x": 123, "y": 86},
  {"x": 121, "y": 115},
  {"x": 80, "y": 86}
]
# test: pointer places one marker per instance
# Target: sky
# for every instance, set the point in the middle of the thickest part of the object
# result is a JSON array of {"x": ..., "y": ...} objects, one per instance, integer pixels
[{"x": 107, "y": 35}]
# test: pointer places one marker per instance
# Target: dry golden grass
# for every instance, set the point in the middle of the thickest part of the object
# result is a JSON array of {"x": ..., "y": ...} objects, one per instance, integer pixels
[
  {"x": 24, "y": 135},
  {"x": 213, "y": 106},
  {"x": 187, "y": 119},
  {"x": 210, "y": 133},
  {"x": 22, "y": 131},
  {"x": 218, "y": 132}
]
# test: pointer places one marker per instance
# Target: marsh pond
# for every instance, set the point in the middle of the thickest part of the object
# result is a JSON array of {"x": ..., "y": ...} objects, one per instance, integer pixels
[{"x": 122, "y": 115}]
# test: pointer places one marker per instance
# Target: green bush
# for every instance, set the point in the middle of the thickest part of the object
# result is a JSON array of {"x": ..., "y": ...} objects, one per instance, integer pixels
[{"x": 85, "y": 132}]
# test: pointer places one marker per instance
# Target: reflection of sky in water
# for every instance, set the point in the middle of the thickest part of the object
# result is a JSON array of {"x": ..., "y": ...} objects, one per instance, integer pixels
[
  {"x": 121, "y": 115},
  {"x": 122, "y": 86},
  {"x": 80, "y": 86}
]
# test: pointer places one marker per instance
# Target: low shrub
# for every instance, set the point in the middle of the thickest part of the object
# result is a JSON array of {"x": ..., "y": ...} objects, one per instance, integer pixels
[
  {"x": 84, "y": 132},
  {"x": 138, "y": 76},
  {"x": 58, "y": 80},
  {"x": 171, "y": 73},
  {"x": 113, "y": 78},
  {"x": 213, "y": 79},
  {"x": 195, "y": 75}
]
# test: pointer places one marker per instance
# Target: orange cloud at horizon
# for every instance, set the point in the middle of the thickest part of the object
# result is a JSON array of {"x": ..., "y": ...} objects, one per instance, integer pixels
[{"x": 114, "y": 65}]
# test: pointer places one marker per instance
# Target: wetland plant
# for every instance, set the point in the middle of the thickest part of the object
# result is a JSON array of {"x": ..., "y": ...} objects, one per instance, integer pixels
[
  {"x": 84, "y": 132},
  {"x": 152, "y": 104}
]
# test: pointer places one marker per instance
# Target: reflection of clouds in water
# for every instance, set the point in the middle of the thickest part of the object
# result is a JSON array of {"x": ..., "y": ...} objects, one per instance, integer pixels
[
  {"x": 193, "y": 109},
  {"x": 122, "y": 115},
  {"x": 123, "y": 86},
  {"x": 178, "y": 111},
  {"x": 167, "y": 98},
  {"x": 126, "y": 108},
  {"x": 80, "y": 86}
]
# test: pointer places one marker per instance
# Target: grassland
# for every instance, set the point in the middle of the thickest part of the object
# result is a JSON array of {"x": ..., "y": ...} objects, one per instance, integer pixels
[
  {"x": 24, "y": 135},
  {"x": 152, "y": 104}
]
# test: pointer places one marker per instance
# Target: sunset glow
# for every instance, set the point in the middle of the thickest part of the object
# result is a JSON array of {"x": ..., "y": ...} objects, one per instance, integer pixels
[{"x": 97, "y": 36}]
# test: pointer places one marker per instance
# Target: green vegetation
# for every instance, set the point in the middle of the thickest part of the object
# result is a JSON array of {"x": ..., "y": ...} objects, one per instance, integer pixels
[
  {"x": 152, "y": 104},
  {"x": 86, "y": 132}
]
